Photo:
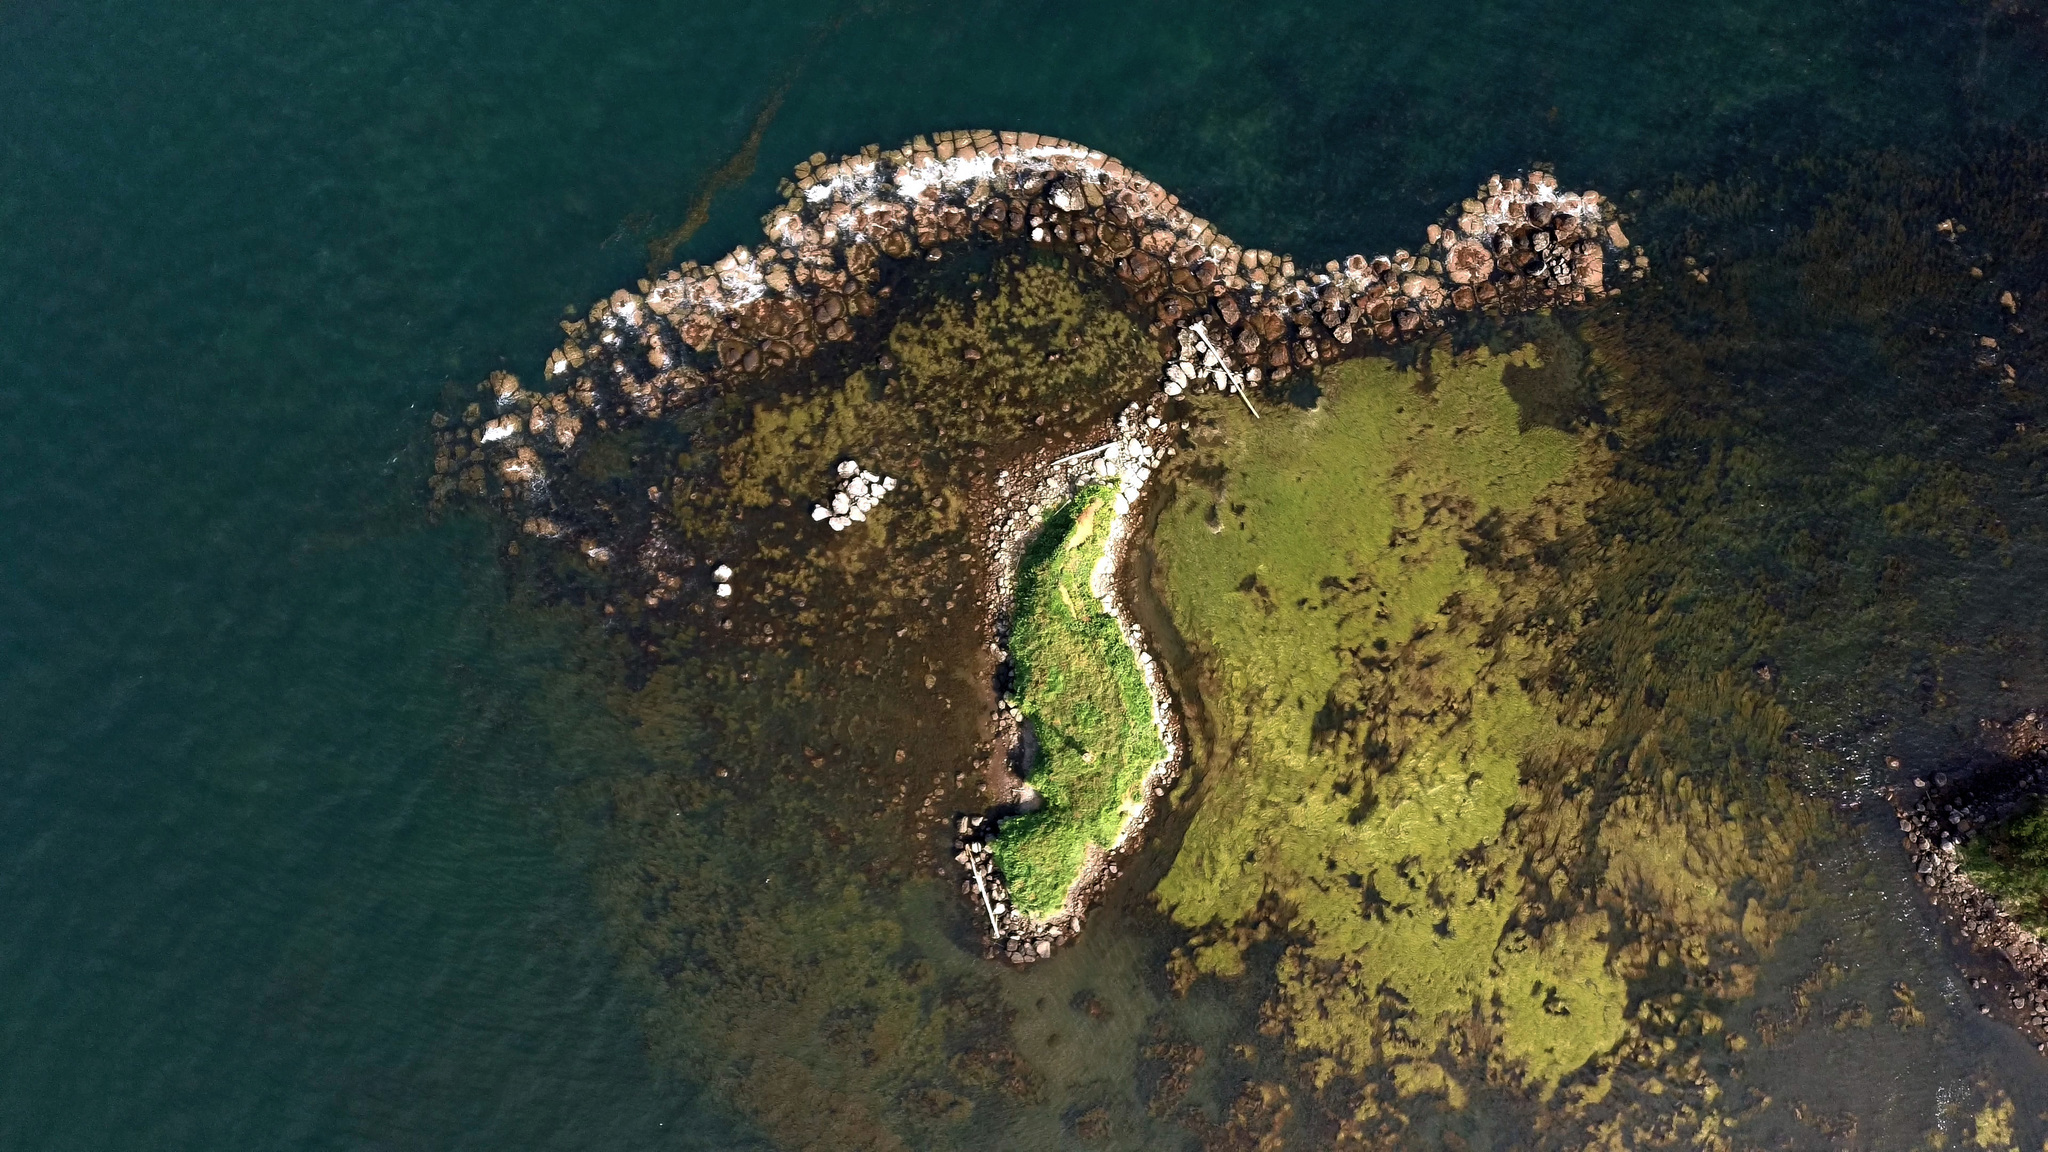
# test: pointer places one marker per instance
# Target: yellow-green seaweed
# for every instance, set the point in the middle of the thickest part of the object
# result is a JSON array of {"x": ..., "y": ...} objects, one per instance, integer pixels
[
  {"x": 1465, "y": 756},
  {"x": 1331, "y": 574}
]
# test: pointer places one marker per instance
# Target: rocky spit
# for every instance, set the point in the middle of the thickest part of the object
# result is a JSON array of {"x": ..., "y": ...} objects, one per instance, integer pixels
[
  {"x": 1938, "y": 816},
  {"x": 1229, "y": 318}
]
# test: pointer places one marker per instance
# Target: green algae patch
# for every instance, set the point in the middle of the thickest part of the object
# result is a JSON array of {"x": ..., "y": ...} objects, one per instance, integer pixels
[
  {"x": 1329, "y": 573},
  {"x": 2011, "y": 863},
  {"x": 1078, "y": 684},
  {"x": 1475, "y": 755}
]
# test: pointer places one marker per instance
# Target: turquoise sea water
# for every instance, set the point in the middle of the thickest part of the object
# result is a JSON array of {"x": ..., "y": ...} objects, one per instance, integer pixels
[{"x": 283, "y": 860}]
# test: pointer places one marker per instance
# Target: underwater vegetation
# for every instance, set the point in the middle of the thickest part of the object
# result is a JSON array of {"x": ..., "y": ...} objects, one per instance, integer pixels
[
  {"x": 1078, "y": 684},
  {"x": 773, "y": 783},
  {"x": 851, "y": 231},
  {"x": 1407, "y": 791},
  {"x": 766, "y": 919}
]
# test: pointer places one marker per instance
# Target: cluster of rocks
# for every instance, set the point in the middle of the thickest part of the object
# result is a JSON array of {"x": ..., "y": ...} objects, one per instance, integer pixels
[
  {"x": 1937, "y": 818},
  {"x": 1201, "y": 360},
  {"x": 1518, "y": 243},
  {"x": 459, "y": 457},
  {"x": 859, "y": 492},
  {"x": 1032, "y": 489}
]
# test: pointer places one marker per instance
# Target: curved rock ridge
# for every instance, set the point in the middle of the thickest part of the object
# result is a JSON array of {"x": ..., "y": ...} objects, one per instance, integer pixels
[{"x": 1240, "y": 317}]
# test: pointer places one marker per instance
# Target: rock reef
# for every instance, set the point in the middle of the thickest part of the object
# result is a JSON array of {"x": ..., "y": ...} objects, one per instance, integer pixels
[{"x": 1225, "y": 318}]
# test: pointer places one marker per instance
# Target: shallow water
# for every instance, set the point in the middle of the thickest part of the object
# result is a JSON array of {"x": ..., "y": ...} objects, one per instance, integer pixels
[{"x": 289, "y": 857}]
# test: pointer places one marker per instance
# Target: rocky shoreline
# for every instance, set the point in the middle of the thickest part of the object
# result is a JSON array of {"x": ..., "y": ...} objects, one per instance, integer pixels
[
  {"x": 1937, "y": 817},
  {"x": 1226, "y": 318}
]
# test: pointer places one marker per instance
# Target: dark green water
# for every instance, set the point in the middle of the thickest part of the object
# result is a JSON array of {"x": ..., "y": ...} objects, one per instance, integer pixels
[{"x": 283, "y": 859}]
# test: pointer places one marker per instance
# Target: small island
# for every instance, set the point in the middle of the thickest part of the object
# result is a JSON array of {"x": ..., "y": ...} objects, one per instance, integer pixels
[
  {"x": 2010, "y": 861},
  {"x": 1079, "y": 687}
]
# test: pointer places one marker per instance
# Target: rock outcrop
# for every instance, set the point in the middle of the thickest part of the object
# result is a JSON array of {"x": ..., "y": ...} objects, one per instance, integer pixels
[{"x": 1227, "y": 318}]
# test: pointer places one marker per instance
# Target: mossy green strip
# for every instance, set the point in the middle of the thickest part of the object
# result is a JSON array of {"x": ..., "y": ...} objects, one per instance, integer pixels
[{"x": 1079, "y": 686}]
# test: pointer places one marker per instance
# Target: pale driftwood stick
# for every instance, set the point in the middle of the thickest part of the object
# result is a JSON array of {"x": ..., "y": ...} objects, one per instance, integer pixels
[
  {"x": 985, "y": 904},
  {"x": 1095, "y": 451},
  {"x": 1236, "y": 381}
]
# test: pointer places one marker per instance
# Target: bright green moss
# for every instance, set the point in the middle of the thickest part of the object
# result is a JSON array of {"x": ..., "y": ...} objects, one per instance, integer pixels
[
  {"x": 1079, "y": 686},
  {"x": 2011, "y": 863}
]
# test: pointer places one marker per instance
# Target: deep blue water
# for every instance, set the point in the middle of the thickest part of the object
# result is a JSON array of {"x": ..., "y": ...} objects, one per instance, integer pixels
[{"x": 280, "y": 860}]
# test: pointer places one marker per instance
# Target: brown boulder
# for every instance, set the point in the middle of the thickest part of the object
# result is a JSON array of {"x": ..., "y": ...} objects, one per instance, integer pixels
[
  {"x": 1469, "y": 262},
  {"x": 697, "y": 329},
  {"x": 1139, "y": 268},
  {"x": 860, "y": 260}
]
